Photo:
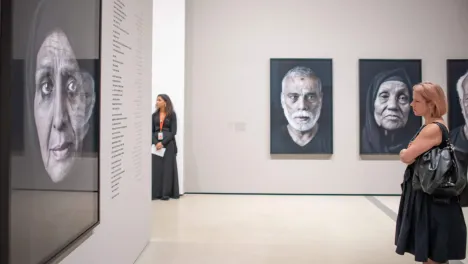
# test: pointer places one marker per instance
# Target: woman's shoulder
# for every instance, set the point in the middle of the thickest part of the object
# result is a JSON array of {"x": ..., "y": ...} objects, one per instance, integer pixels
[
  {"x": 433, "y": 128},
  {"x": 434, "y": 131},
  {"x": 439, "y": 126}
]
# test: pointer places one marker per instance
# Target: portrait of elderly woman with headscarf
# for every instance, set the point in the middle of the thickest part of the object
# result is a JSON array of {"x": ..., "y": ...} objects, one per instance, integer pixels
[
  {"x": 387, "y": 121},
  {"x": 58, "y": 103},
  {"x": 60, "y": 93},
  {"x": 54, "y": 172}
]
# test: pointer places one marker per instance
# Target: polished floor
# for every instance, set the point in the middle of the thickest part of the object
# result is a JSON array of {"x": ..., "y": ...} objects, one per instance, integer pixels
[{"x": 242, "y": 229}]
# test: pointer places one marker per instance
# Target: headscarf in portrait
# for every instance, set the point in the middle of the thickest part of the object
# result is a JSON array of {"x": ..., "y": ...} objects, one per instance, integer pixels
[{"x": 375, "y": 140}]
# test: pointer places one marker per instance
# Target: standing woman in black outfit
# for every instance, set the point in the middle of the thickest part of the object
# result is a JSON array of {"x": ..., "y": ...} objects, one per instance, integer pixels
[
  {"x": 433, "y": 230},
  {"x": 165, "y": 177}
]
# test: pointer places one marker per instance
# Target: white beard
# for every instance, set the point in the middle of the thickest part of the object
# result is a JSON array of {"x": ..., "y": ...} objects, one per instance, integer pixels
[{"x": 303, "y": 126}]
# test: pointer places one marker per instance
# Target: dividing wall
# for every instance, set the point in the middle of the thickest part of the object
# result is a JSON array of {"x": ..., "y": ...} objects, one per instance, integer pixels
[
  {"x": 229, "y": 45},
  {"x": 125, "y": 153}
]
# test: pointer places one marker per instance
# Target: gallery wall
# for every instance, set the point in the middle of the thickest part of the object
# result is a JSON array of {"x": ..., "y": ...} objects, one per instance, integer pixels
[
  {"x": 125, "y": 165},
  {"x": 169, "y": 65},
  {"x": 228, "y": 50}
]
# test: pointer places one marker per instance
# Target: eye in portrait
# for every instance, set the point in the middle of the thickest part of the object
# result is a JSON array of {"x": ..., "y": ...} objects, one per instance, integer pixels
[
  {"x": 386, "y": 119},
  {"x": 301, "y": 106}
]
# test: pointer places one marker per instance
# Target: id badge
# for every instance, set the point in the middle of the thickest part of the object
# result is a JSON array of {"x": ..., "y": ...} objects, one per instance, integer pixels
[{"x": 160, "y": 136}]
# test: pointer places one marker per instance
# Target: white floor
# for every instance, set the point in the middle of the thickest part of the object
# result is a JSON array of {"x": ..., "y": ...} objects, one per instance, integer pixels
[{"x": 238, "y": 229}]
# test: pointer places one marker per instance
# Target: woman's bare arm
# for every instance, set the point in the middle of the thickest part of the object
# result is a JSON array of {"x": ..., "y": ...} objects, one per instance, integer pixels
[{"x": 430, "y": 136}]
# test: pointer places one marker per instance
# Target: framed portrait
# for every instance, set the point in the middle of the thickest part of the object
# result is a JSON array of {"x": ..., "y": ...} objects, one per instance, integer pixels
[
  {"x": 457, "y": 97},
  {"x": 301, "y": 106},
  {"x": 54, "y": 126},
  {"x": 387, "y": 122}
]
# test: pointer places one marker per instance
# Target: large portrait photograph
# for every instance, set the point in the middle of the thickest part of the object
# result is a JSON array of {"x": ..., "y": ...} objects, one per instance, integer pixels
[
  {"x": 301, "y": 106},
  {"x": 387, "y": 122},
  {"x": 55, "y": 118},
  {"x": 457, "y": 93}
]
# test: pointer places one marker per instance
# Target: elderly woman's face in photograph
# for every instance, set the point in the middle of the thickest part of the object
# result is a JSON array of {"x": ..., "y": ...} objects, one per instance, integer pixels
[
  {"x": 61, "y": 107},
  {"x": 392, "y": 106}
]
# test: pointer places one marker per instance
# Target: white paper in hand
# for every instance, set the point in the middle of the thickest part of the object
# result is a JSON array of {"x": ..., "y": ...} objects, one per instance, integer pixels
[{"x": 157, "y": 152}]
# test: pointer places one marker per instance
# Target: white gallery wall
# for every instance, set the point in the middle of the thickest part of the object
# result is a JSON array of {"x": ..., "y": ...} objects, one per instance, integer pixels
[
  {"x": 169, "y": 65},
  {"x": 125, "y": 181},
  {"x": 228, "y": 48}
]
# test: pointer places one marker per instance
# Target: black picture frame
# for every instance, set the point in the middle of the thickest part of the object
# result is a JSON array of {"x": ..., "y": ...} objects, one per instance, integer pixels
[
  {"x": 6, "y": 36},
  {"x": 280, "y": 139},
  {"x": 13, "y": 71},
  {"x": 457, "y": 78},
  {"x": 375, "y": 140}
]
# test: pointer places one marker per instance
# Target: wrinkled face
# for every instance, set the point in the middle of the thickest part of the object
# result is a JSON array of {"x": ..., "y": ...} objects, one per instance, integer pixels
[
  {"x": 301, "y": 100},
  {"x": 464, "y": 101},
  {"x": 62, "y": 105},
  {"x": 391, "y": 105}
]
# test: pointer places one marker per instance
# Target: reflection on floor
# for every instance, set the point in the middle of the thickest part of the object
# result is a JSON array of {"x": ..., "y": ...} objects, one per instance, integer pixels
[{"x": 238, "y": 229}]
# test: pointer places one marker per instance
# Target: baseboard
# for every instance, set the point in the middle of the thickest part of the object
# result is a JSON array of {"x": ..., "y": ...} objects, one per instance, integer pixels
[{"x": 293, "y": 194}]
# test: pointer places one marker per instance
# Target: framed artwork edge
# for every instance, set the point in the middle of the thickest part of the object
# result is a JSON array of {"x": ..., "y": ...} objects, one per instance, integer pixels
[
  {"x": 332, "y": 83},
  {"x": 413, "y": 60}
]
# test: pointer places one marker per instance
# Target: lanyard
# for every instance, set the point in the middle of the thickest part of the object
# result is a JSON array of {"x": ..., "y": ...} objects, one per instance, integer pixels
[{"x": 161, "y": 121}]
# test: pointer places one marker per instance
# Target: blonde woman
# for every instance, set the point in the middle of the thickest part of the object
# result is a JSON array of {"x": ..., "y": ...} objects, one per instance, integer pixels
[{"x": 433, "y": 230}]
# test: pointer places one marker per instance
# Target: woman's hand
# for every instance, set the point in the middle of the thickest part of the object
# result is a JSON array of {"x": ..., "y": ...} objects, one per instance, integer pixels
[{"x": 159, "y": 146}]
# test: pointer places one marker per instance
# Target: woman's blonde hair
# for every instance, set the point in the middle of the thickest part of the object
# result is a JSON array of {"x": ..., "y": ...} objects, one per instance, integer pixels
[{"x": 434, "y": 96}]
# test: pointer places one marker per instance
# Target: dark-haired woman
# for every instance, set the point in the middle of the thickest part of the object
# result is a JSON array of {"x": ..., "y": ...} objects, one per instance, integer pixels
[{"x": 165, "y": 181}]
